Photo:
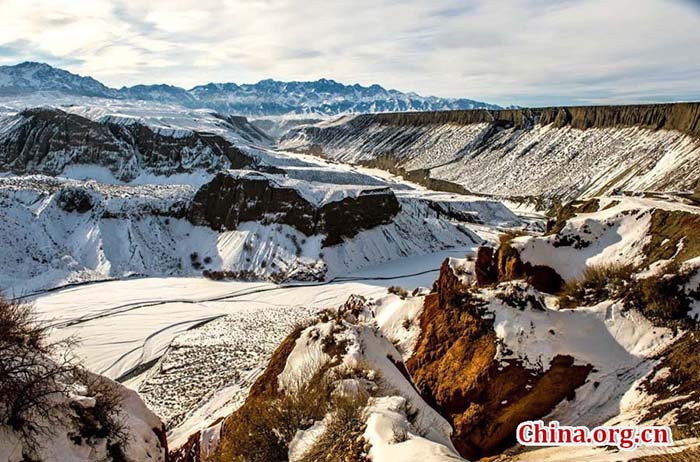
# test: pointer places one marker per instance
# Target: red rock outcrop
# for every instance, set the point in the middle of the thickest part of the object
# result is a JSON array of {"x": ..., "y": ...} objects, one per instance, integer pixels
[
  {"x": 454, "y": 368},
  {"x": 511, "y": 266}
]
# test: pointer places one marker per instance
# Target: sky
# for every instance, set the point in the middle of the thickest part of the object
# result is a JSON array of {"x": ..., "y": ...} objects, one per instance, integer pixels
[{"x": 524, "y": 52}]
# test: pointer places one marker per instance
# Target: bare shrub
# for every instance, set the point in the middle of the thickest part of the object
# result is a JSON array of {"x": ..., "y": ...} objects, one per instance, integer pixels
[
  {"x": 261, "y": 430},
  {"x": 342, "y": 439},
  {"x": 598, "y": 283},
  {"x": 33, "y": 373},
  {"x": 101, "y": 420},
  {"x": 662, "y": 296}
]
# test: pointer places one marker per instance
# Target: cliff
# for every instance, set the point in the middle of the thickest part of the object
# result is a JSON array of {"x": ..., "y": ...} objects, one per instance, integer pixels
[
  {"x": 683, "y": 117},
  {"x": 229, "y": 200},
  {"x": 545, "y": 154},
  {"x": 49, "y": 141}
]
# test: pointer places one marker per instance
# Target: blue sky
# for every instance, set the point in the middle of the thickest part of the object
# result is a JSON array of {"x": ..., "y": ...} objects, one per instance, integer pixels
[{"x": 526, "y": 52}]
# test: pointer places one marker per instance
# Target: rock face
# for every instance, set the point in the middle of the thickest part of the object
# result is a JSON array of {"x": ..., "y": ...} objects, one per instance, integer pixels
[
  {"x": 562, "y": 153},
  {"x": 510, "y": 266},
  {"x": 683, "y": 117},
  {"x": 454, "y": 368},
  {"x": 485, "y": 266},
  {"x": 229, "y": 200},
  {"x": 47, "y": 141}
]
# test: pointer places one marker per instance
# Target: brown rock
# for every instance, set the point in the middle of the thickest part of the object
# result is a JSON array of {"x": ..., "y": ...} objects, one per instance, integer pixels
[
  {"x": 454, "y": 369},
  {"x": 486, "y": 267}
]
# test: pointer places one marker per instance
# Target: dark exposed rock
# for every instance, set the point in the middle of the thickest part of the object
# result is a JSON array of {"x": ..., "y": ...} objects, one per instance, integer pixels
[
  {"x": 683, "y": 117},
  {"x": 347, "y": 217},
  {"x": 227, "y": 201},
  {"x": 453, "y": 367},
  {"x": 567, "y": 211},
  {"x": 486, "y": 267},
  {"x": 75, "y": 200},
  {"x": 47, "y": 141},
  {"x": 511, "y": 266}
]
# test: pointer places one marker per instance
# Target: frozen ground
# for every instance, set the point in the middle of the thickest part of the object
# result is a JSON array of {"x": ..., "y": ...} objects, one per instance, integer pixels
[{"x": 126, "y": 326}]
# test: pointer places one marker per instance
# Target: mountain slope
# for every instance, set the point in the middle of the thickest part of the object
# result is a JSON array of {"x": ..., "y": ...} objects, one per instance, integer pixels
[
  {"x": 554, "y": 153},
  {"x": 265, "y": 98}
]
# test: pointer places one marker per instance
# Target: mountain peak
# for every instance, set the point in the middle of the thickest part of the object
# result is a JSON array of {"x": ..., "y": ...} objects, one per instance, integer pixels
[
  {"x": 31, "y": 76},
  {"x": 268, "y": 97}
]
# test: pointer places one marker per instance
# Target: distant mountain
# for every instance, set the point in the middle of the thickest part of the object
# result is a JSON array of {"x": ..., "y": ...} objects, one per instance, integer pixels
[
  {"x": 31, "y": 77},
  {"x": 265, "y": 98}
]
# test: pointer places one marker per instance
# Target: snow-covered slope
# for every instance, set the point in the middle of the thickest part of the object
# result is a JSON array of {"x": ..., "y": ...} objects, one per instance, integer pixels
[
  {"x": 646, "y": 233},
  {"x": 52, "y": 141},
  {"x": 265, "y": 98},
  {"x": 51, "y": 409},
  {"x": 563, "y": 153},
  {"x": 63, "y": 231},
  {"x": 362, "y": 372},
  {"x": 140, "y": 439}
]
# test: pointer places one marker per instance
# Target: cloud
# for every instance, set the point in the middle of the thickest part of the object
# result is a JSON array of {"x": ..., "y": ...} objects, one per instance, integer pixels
[{"x": 529, "y": 52}]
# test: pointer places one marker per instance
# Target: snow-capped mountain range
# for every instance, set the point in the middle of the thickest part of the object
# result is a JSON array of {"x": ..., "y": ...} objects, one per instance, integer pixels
[{"x": 265, "y": 98}]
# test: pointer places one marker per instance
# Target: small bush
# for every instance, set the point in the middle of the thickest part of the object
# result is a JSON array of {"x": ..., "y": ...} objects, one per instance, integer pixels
[
  {"x": 101, "y": 420},
  {"x": 598, "y": 283},
  {"x": 399, "y": 291},
  {"x": 342, "y": 438},
  {"x": 261, "y": 430},
  {"x": 662, "y": 296}
]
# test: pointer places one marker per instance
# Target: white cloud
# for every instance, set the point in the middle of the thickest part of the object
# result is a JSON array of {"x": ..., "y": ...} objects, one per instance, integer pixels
[{"x": 511, "y": 51}]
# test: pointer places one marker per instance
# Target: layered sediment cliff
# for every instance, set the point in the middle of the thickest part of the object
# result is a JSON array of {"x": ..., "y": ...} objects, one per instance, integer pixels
[{"x": 562, "y": 152}]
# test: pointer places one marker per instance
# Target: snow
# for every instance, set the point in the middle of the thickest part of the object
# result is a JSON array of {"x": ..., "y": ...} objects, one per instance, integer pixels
[
  {"x": 548, "y": 161},
  {"x": 399, "y": 321},
  {"x": 192, "y": 347},
  {"x": 605, "y": 335},
  {"x": 387, "y": 426},
  {"x": 124, "y": 324},
  {"x": 619, "y": 344},
  {"x": 122, "y": 236},
  {"x": 389, "y": 431},
  {"x": 306, "y": 358},
  {"x": 129, "y": 231},
  {"x": 305, "y": 439},
  {"x": 138, "y": 423},
  {"x": 616, "y": 233}
]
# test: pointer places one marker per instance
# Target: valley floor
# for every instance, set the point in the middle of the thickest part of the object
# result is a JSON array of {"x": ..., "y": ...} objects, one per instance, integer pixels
[{"x": 222, "y": 333}]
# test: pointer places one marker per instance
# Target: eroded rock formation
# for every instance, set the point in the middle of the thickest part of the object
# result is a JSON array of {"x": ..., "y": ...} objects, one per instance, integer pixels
[
  {"x": 47, "y": 141},
  {"x": 454, "y": 367},
  {"x": 229, "y": 200}
]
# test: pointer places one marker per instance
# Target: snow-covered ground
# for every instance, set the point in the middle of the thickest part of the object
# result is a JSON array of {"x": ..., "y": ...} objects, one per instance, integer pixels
[
  {"x": 123, "y": 325},
  {"x": 616, "y": 233},
  {"x": 139, "y": 229}
]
